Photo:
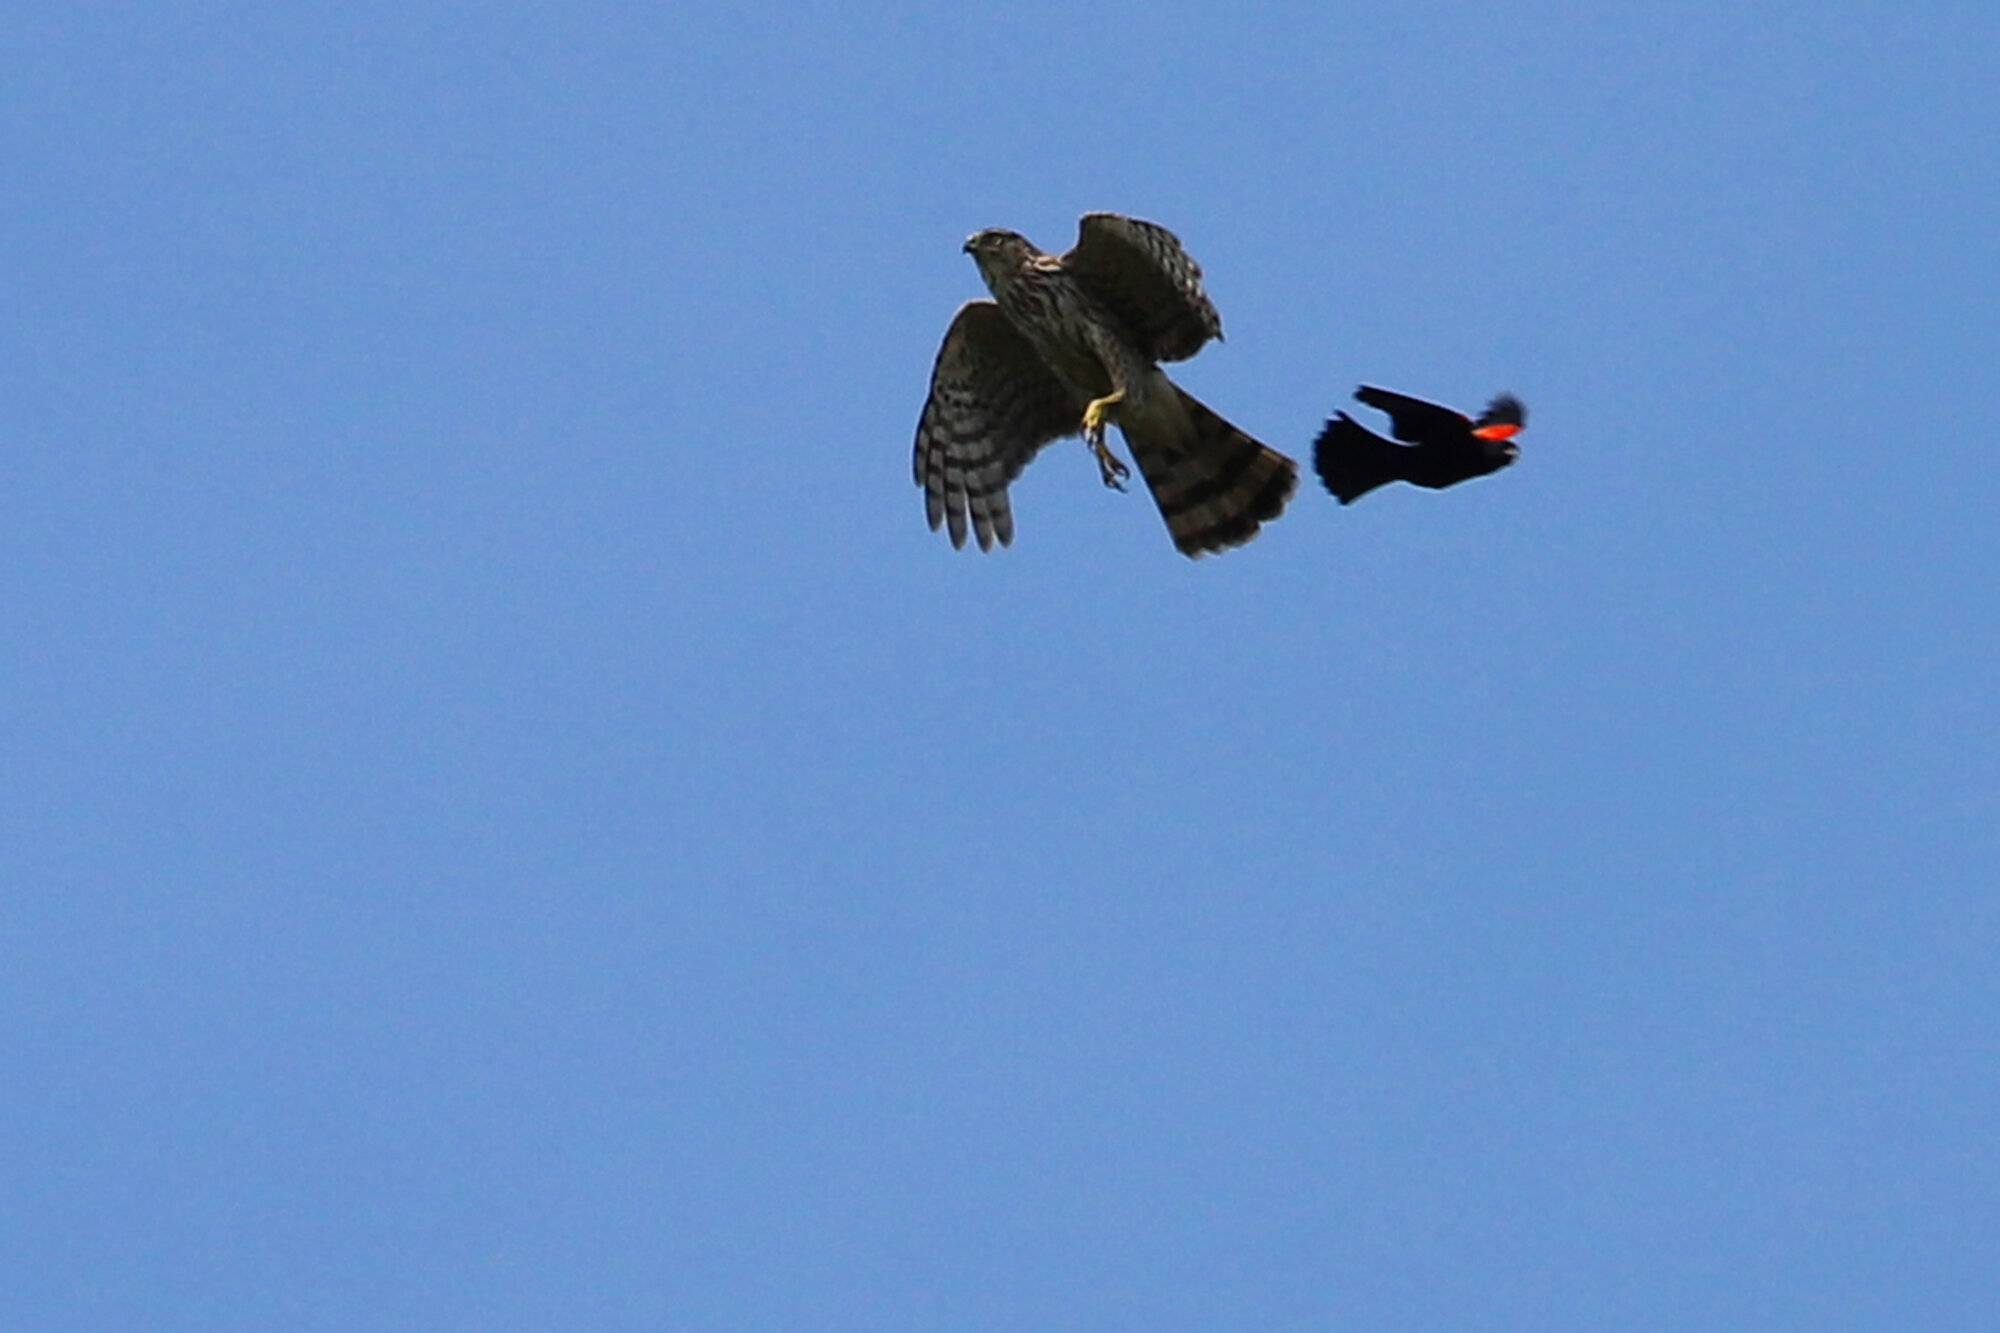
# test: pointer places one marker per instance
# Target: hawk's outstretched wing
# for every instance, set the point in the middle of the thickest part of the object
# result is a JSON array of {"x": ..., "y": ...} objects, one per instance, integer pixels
[
  {"x": 1139, "y": 272},
  {"x": 993, "y": 403}
]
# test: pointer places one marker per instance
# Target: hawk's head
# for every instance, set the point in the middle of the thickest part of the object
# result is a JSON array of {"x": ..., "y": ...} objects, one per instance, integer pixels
[{"x": 998, "y": 251}]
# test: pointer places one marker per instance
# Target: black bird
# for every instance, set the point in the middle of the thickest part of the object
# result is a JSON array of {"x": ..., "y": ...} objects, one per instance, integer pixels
[{"x": 1441, "y": 448}]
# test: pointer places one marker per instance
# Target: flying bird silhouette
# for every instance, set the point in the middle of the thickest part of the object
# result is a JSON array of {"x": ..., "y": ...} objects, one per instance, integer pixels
[{"x": 1440, "y": 447}]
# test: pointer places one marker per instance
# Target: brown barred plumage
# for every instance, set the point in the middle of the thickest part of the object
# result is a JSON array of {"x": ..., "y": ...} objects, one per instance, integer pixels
[{"x": 1081, "y": 333}]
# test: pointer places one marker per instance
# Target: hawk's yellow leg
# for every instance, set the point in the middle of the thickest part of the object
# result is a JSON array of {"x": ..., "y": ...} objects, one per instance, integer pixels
[{"x": 1095, "y": 415}]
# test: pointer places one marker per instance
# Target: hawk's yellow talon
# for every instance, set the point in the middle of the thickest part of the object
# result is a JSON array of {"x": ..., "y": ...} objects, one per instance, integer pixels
[
  {"x": 1098, "y": 411},
  {"x": 1095, "y": 414}
]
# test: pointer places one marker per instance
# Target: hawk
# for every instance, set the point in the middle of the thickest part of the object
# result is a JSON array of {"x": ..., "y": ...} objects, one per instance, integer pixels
[
  {"x": 1441, "y": 447},
  {"x": 1068, "y": 344}
]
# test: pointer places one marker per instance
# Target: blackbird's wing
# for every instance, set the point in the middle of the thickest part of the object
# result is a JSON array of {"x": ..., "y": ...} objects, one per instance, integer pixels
[{"x": 1414, "y": 420}]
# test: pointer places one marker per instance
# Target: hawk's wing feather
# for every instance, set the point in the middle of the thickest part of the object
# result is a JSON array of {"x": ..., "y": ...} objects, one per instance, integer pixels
[
  {"x": 1139, "y": 272},
  {"x": 992, "y": 405},
  {"x": 1412, "y": 419}
]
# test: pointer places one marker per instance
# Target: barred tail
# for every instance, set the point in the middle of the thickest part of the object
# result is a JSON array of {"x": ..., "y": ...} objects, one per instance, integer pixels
[{"x": 1215, "y": 492}]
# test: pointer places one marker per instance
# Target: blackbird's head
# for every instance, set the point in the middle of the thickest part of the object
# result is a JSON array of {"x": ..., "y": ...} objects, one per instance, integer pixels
[{"x": 1502, "y": 420}]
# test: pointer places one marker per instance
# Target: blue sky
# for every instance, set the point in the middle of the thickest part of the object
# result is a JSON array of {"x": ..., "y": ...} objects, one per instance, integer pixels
[{"x": 509, "y": 819}]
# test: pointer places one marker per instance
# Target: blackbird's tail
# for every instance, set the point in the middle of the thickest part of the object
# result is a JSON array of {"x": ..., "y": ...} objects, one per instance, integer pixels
[{"x": 1353, "y": 460}]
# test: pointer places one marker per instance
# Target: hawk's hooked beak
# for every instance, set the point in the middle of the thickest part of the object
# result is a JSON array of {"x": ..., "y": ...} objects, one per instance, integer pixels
[{"x": 967, "y": 247}]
